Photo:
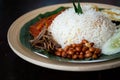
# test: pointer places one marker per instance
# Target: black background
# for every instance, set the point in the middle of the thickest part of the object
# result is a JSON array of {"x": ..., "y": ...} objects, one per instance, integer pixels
[{"x": 13, "y": 67}]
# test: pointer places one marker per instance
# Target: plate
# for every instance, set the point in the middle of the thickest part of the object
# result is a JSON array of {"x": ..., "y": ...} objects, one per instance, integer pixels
[{"x": 59, "y": 64}]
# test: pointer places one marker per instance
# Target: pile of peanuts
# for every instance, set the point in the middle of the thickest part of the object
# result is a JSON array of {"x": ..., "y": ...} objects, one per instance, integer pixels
[{"x": 82, "y": 51}]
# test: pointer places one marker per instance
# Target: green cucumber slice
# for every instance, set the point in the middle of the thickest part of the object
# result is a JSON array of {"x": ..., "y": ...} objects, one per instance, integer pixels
[{"x": 112, "y": 46}]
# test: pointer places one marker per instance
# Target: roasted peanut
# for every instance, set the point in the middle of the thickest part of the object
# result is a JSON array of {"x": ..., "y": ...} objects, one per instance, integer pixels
[
  {"x": 60, "y": 49},
  {"x": 81, "y": 53},
  {"x": 84, "y": 49},
  {"x": 71, "y": 48},
  {"x": 84, "y": 41},
  {"x": 77, "y": 53},
  {"x": 88, "y": 55},
  {"x": 94, "y": 56},
  {"x": 81, "y": 56},
  {"x": 80, "y": 45},
  {"x": 77, "y": 45},
  {"x": 92, "y": 49},
  {"x": 58, "y": 53},
  {"x": 87, "y": 52},
  {"x": 78, "y": 49},
  {"x": 97, "y": 51},
  {"x": 70, "y": 52},
  {"x": 63, "y": 54},
  {"x": 74, "y": 56},
  {"x": 87, "y": 44},
  {"x": 66, "y": 48},
  {"x": 92, "y": 44},
  {"x": 73, "y": 45}
]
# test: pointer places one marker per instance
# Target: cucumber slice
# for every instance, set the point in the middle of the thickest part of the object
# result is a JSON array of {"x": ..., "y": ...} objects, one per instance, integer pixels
[{"x": 112, "y": 46}]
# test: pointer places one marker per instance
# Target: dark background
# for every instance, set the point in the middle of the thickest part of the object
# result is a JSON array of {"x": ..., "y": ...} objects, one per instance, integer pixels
[{"x": 13, "y": 67}]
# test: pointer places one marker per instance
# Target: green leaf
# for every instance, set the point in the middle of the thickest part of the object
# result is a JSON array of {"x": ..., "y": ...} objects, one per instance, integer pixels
[
  {"x": 79, "y": 8},
  {"x": 74, "y": 6}
]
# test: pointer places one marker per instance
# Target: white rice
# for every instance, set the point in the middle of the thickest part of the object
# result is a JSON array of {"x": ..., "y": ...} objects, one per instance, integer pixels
[{"x": 69, "y": 27}]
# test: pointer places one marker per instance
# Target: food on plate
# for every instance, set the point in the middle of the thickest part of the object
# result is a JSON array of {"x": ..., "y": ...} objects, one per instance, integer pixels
[
  {"x": 113, "y": 14},
  {"x": 82, "y": 50},
  {"x": 45, "y": 22},
  {"x": 45, "y": 41},
  {"x": 112, "y": 46},
  {"x": 78, "y": 32},
  {"x": 69, "y": 27}
]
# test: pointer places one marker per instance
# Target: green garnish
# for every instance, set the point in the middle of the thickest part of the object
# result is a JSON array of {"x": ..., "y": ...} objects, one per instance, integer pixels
[{"x": 77, "y": 9}]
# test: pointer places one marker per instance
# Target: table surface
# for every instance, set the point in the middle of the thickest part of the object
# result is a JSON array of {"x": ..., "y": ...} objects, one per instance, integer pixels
[{"x": 13, "y": 67}]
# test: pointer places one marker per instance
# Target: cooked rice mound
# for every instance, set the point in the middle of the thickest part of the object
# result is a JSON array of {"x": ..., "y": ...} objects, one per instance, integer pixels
[{"x": 69, "y": 27}]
